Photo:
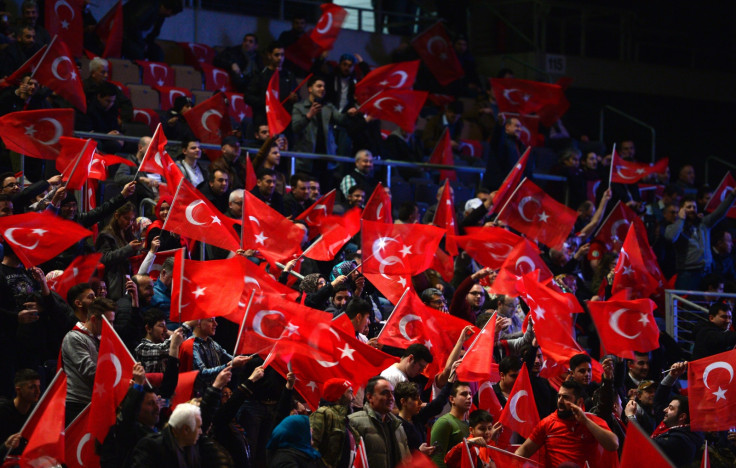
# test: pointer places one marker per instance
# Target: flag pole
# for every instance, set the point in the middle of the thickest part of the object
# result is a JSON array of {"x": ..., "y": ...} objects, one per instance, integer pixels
[
  {"x": 291, "y": 272},
  {"x": 178, "y": 187},
  {"x": 406, "y": 291},
  {"x": 242, "y": 322},
  {"x": 610, "y": 170},
  {"x": 498, "y": 215},
  {"x": 39, "y": 404},
  {"x": 367, "y": 100},
  {"x": 297, "y": 88},
  {"x": 45, "y": 53},
  {"x": 597, "y": 231},
  {"x": 155, "y": 134}
]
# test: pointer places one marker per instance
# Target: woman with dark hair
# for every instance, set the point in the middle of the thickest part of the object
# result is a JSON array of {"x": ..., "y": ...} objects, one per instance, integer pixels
[
  {"x": 117, "y": 244},
  {"x": 268, "y": 156},
  {"x": 168, "y": 240}
]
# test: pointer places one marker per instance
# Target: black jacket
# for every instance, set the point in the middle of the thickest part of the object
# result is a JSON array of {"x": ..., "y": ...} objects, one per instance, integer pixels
[{"x": 710, "y": 340}]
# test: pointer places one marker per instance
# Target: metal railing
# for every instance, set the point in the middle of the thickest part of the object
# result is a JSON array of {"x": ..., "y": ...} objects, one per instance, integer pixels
[
  {"x": 685, "y": 310},
  {"x": 710, "y": 160},
  {"x": 631, "y": 118}
]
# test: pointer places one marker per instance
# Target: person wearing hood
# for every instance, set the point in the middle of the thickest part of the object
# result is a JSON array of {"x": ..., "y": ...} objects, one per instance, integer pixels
[{"x": 290, "y": 445}]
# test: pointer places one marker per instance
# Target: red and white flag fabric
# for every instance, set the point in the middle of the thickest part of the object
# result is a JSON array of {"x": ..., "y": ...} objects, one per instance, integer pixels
[
  {"x": 361, "y": 456},
  {"x": 110, "y": 31},
  {"x": 79, "y": 271},
  {"x": 195, "y": 217},
  {"x": 529, "y": 130},
  {"x": 268, "y": 231},
  {"x": 505, "y": 459},
  {"x": 198, "y": 290},
  {"x": 328, "y": 27},
  {"x": 100, "y": 163},
  {"x": 196, "y": 54},
  {"x": 112, "y": 379},
  {"x": 64, "y": 19},
  {"x": 184, "y": 388},
  {"x": 639, "y": 446},
  {"x": 148, "y": 117},
  {"x": 44, "y": 429},
  {"x": 338, "y": 232},
  {"x": 442, "y": 154},
  {"x": 705, "y": 461},
  {"x": 549, "y": 222},
  {"x": 158, "y": 262},
  {"x": 37, "y": 133},
  {"x": 168, "y": 94},
  {"x": 391, "y": 286},
  {"x": 209, "y": 120},
  {"x": 487, "y": 400},
  {"x": 38, "y": 237},
  {"x": 632, "y": 272},
  {"x": 278, "y": 117},
  {"x": 400, "y": 106},
  {"x": 625, "y": 326},
  {"x": 471, "y": 148},
  {"x": 378, "y": 206},
  {"x": 526, "y": 97},
  {"x": 79, "y": 447},
  {"x": 317, "y": 212},
  {"x": 712, "y": 392},
  {"x": 520, "y": 413},
  {"x": 398, "y": 248},
  {"x": 614, "y": 228},
  {"x": 251, "y": 180},
  {"x": 489, "y": 246},
  {"x": 477, "y": 364},
  {"x": 156, "y": 74},
  {"x": 444, "y": 217},
  {"x": 509, "y": 184},
  {"x": 158, "y": 161},
  {"x": 521, "y": 260},
  {"x": 728, "y": 182},
  {"x": 436, "y": 51},
  {"x": 393, "y": 76},
  {"x": 238, "y": 109},
  {"x": 629, "y": 172},
  {"x": 303, "y": 52},
  {"x": 215, "y": 79},
  {"x": 76, "y": 172}
]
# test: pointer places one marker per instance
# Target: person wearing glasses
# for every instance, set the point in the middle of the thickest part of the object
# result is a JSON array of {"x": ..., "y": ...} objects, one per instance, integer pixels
[
  {"x": 11, "y": 186},
  {"x": 470, "y": 297}
]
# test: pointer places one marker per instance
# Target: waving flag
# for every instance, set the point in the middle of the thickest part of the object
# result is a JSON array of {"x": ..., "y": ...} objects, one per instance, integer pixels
[
  {"x": 37, "y": 133},
  {"x": 394, "y": 76},
  {"x": 437, "y": 53}
]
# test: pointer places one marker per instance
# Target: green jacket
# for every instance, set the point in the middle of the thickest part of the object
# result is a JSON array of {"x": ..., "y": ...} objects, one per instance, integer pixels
[
  {"x": 374, "y": 432},
  {"x": 328, "y": 425}
]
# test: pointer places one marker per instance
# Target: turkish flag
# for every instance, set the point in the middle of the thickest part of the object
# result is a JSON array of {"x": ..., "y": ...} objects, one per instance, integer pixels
[
  {"x": 718, "y": 196},
  {"x": 632, "y": 271},
  {"x": 251, "y": 179},
  {"x": 268, "y": 231},
  {"x": 38, "y": 237},
  {"x": 158, "y": 161},
  {"x": 505, "y": 459},
  {"x": 195, "y": 217},
  {"x": 614, "y": 228},
  {"x": 487, "y": 400},
  {"x": 489, "y": 246},
  {"x": 705, "y": 461},
  {"x": 157, "y": 73},
  {"x": 100, "y": 163},
  {"x": 520, "y": 413},
  {"x": 550, "y": 223},
  {"x": 510, "y": 183},
  {"x": 303, "y": 52},
  {"x": 442, "y": 154},
  {"x": 215, "y": 79},
  {"x": 197, "y": 55},
  {"x": 110, "y": 30},
  {"x": 328, "y": 27},
  {"x": 209, "y": 121},
  {"x": 477, "y": 363},
  {"x": 198, "y": 290},
  {"x": 629, "y": 172},
  {"x": 526, "y": 97},
  {"x": 256, "y": 279},
  {"x": 168, "y": 94},
  {"x": 334, "y": 236},
  {"x": 712, "y": 392},
  {"x": 184, "y": 388},
  {"x": 318, "y": 212},
  {"x": 44, "y": 429},
  {"x": 64, "y": 19},
  {"x": 638, "y": 446},
  {"x": 398, "y": 248},
  {"x": 444, "y": 217},
  {"x": 400, "y": 106},
  {"x": 79, "y": 447},
  {"x": 75, "y": 160},
  {"x": 147, "y": 116},
  {"x": 79, "y": 271},
  {"x": 436, "y": 51},
  {"x": 378, "y": 207},
  {"x": 391, "y": 286},
  {"x": 158, "y": 262},
  {"x": 112, "y": 379},
  {"x": 278, "y": 117},
  {"x": 392, "y": 76},
  {"x": 361, "y": 456},
  {"x": 625, "y": 326},
  {"x": 471, "y": 148},
  {"x": 37, "y": 133},
  {"x": 238, "y": 109},
  {"x": 529, "y": 128},
  {"x": 270, "y": 317},
  {"x": 521, "y": 260},
  {"x": 444, "y": 264}
]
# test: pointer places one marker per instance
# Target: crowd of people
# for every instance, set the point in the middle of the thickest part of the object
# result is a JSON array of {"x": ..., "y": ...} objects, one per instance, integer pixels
[{"x": 244, "y": 412}]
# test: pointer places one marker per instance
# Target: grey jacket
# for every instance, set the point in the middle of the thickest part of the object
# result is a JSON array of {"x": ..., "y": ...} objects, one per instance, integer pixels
[
  {"x": 374, "y": 432},
  {"x": 79, "y": 358},
  {"x": 305, "y": 130}
]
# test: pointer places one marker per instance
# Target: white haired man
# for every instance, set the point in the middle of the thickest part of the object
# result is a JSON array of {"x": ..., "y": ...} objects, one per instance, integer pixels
[{"x": 175, "y": 445}]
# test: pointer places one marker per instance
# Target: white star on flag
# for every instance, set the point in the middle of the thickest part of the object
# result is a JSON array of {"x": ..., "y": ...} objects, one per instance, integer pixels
[
  {"x": 398, "y": 108},
  {"x": 428, "y": 344},
  {"x": 30, "y": 130},
  {"x": 539, "y": 313},
  {"x": 40, "y": 231},
  {"x": 402, "y": 282},
  {"x": 291, "y": 329},
  {"x": 644, "y": 319},
  {"x": 720, "y": 394},
  {"x": 543, "y": 217},
  {"x": 160, "y": 82},
  {"x": 406, "y": 250},
  {"x": 347, "y": 352},
  {"x": 215, "y": 219},
  {"x": 313, "y": 385},
  {"x": 260, "y": 238},
  {"x": 628, "y": 270},
  {"x": 199, "y": 292},
  {"x": 65, "y": 24}
]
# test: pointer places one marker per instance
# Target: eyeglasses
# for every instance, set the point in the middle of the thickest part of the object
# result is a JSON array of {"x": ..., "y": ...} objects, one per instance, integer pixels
[{"x": 12, "y": 184}]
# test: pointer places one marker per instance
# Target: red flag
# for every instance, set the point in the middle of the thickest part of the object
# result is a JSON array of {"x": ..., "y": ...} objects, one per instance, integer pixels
[
  {"x": 79, "y": 451},
  {"x": 520, "y": 412},
  {"x": 269, "y": 232},
  {"x": 391, "y": 286},
  {"x": 398, "y": 248},
  {"x": 328, "y": 27},
  {"x": 523, "y": 259},
  {"x": 638, "y": 446},
  {"x": 393, "y": 76},
  {"x": 718, "y": 196},
  {"x": 158, "y": 262},
  {"x": 615, "y": 227},
  {"x": 629, "y": 172},
  {"x": 444, "y": 217},
  {"x": 198, "y": 291},
  {"x": 156, "y": 73},
  {"x": 184, "y": 388},
  {"x": 489, "y": 246},
  {"x": 705, "y": 461},
  {"x": 197, "y": 55},
  {"x": 44, "y": 429},
  {"x": 435, "y": 49},
  {"x": 318, "y": 212},
  {"x": 158, "y": 161},
  {"x": 417, "y": 460},
  {"x": 209, "y": 120},
  {"x": 250, "y": 175},
  {"x": 75, "y": 174},
  {"x": 238, "y": 109},
  {"x": 477, "y": 363},
  {"x": 195, "y": 217},
  {"x": 256, "y": 279},
  {"x": 550, "y": 222},
  {"x": 471, "y": 148},
  {"x": 79, "y": 271},
  {"x": 100, "y": 163},
  {"x": 625, "y": 326},
  {"x": 38, "y": 237},
  {"x": 147, "y": 116},
  {"x": 711, "y": 389},
  {"x": 510, "y": 182},
  {"x": 378, "y": 207},
  {"x": 504, "y": 459},
  {"x": 215, "y": 79},
  {"x": 36, "y": 133},
  {"x": 168, "y": 94},
  {"x": 443, "y": 264},
  {"x": 303, "y": 52},
  {"x": 442, "y": 154},
  {"x": 110, "y": 31},
  {"x": 400, "y": 106},
  {"x": 529, "y": 128},
  {"x": 526, "y": 97},
  {"x": 64, "y": 19},
  {"x": 335, "y": 235},
  {"x": 112, "y": 379},
  {"x": 631, "y": 272},
  {"x": 278, "y": 118},
  {"x": 487, "y": 400},
  {"x": 361, "y": 457}
]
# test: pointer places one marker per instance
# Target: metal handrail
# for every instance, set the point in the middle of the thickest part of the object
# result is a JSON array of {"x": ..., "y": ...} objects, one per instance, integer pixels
[
  {"x": 524, "y": 64},
  {"x": 674, "y": 298},
  {"x": 729, "y": 164},
  {"x": 633, "y": 119}
]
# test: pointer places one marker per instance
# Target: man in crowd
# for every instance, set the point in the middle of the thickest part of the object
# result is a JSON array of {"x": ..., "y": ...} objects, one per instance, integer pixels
[
  {"x": 231, "y": 162},
  {"x": 255, "y": 97},
  {"x": 241, "y": 62},
  {"x": 412, "y": 363},
  {"x": 677, "y": 440},
  {"x": 450, "y": 429},
  {"x": 508, "y": 370},
  {"x": 216, "y": 189},
  {"x": 208, "y": 356},
  {"x": 14, "y": 412},
  {"x": 331, "y": 433},
  {"x": 99, "y": 73},
  {"x": 339, "y": 300},
  {"x": 714, "y": 336},
  {"x": 149, "y": 182},
  {"x": 159, "y": 343},
  {"x": 176, "y": 441},
  {"x": 162, "y": 288},
  {"x": 265, "y": 189},
  {"x": 297, "y": 200},
  {"x": 361, "y": 175},
  {"x": 641, "y": 408}
]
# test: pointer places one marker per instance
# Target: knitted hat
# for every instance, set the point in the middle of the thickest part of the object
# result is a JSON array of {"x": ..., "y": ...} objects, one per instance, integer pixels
[{"x": 334, "y": 389}]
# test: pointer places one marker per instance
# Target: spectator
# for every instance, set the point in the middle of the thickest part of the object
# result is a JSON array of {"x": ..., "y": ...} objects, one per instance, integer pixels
[
  {"x": 290, "y": 444},
  {"x": 255, "y": 97},
  {"x": 174, "y": 124},
  {"x": 241, "y": 62},
  {"x": 190, "y": 165},
  {"x": 361, "y": 175},
  {"x": 99, "y": 73},
  {"x": 175, "y": 445},
  {"x": 149, "y": 182},
  {"x": 677, "y": 441},
  {"x": 714, "y": 336},
  {"x": 209, "y": 357},
  {"x": 268, "y": 156},
  {"x": 506, "y": 149},
  {"x": 231, "y": 162},
  {"x": 450, "y": 120},
  {"x": 21, "y": 199},
  {"x": 415, "y": 415},
  {"x": 467, "y": 303},
  {"x": 451, "y": 428},
  {"x": 142, "y": 22},
  {"x": 117, "y": 244},
  {"x": 723, "y": 264},
  {"x": 414, "y": 360},
  {"x": 508, "y": 370},
  {"x": 685, "y": 183},
  {"x": 18, "y": 52},
  {"x": 332, "y": 436},
  {"x": 159, "y": 342},
  {"x": 29, "y": 18},
  {"x": 482, "y": 433},
  {"x": 341, "y": 295},
  {"x": 217, "y": 189},
  {"x": 265, "y": 189},
  {"x": 297, "y": 200},
  {"x": 14, "y": 412},
  {"x": 433, "y": 297},
  {"x": 162, "y": 288},
  {"x": 641, "y": 408}
]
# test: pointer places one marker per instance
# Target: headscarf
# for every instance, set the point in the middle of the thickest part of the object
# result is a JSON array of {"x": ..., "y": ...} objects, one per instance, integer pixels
[
  {"x": 342, "y": 268},
  {"x": 293, "y": 432}
]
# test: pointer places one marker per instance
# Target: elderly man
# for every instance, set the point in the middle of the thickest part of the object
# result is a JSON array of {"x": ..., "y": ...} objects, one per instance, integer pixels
[
  {"x": 361, "y": 175},
  {"x": 99, "y": 73},
  {"x": 177, "y": 441}
]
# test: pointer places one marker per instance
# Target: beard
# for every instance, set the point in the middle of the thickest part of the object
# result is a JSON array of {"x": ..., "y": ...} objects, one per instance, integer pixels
[{"x": 564, "y": 413}]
